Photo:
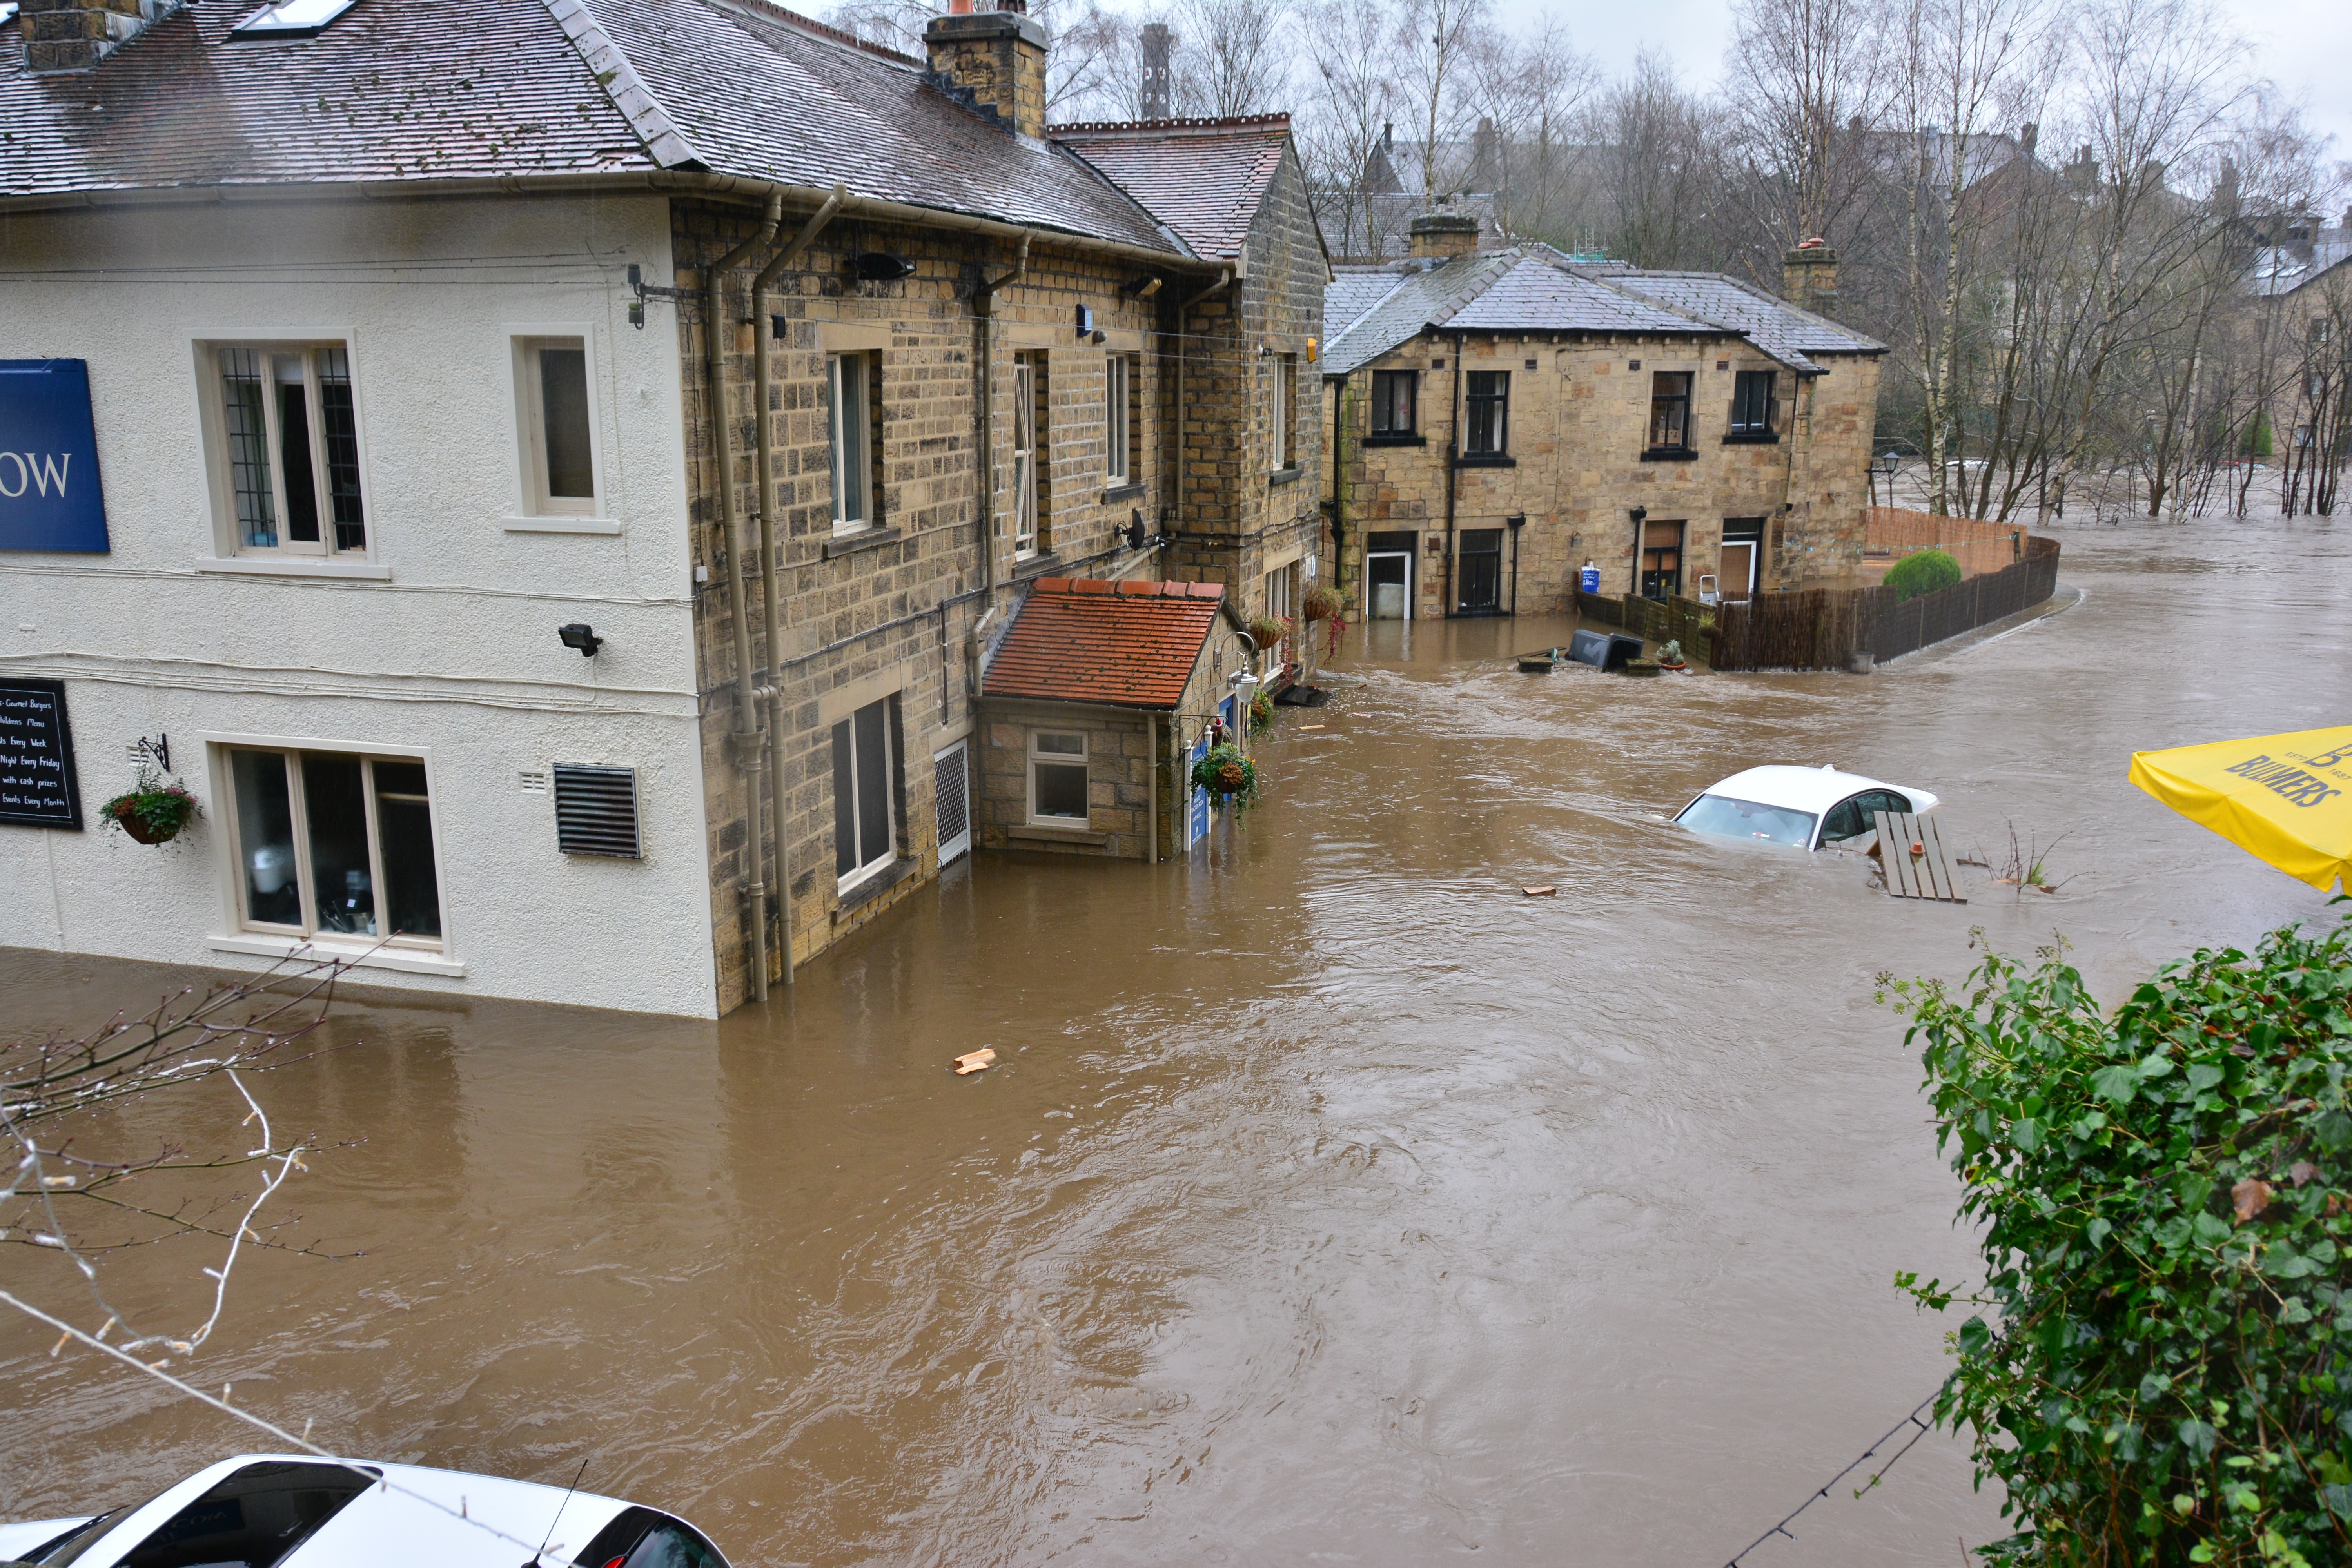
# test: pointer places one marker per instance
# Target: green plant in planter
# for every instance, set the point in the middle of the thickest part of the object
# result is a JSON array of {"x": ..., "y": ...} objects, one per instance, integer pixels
[
  {"x": 1924, "y": 573},
  {"x": 154, "y": 810},
  {"x": 1229, "y": 775},
  {"x": 1267, "y": 630},
  {"x": 1261, "y": 713},
  {"x": 1671, "y": 654},
  {"x": 1319, "y": 602}
]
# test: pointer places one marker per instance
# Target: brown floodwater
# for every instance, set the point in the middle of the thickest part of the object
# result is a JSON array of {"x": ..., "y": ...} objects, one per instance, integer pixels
[{"x": 1331, "y": 1200}]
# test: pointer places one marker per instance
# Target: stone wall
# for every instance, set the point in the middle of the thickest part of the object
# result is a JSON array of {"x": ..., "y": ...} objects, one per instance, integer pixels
[
  {"x": 1578, "y": 426},
  {"x": 889, "y": 613},
  {"x": 1118, "y": 779}
]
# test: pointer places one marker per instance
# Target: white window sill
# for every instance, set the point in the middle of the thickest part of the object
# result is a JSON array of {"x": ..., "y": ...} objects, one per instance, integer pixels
[
  {"x": 604, "y": 525},
  {"x": 409, "y": 961},
  {"x": 295, "y": 566}
]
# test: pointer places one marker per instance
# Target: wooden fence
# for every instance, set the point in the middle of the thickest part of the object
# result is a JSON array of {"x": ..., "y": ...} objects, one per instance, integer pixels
[
  {"x": 1817, "y": 628},
  {"x": 1677, "y": 619},
  {"x": 1890, "y": 533}
]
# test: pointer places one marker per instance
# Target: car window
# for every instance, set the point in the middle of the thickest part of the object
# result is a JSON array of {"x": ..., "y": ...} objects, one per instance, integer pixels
[
  {"x": 1846, "y": 820},
  {"x": 1879, "y": 800},
  {"x": 673, "y": 1545},
  {"x": 1748, "y": 820},
  {"x": 251, "y": 1519},
  {"x": 638, "y": 1537}
]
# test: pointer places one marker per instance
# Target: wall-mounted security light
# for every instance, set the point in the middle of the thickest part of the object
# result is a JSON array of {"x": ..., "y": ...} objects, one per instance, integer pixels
[
  {"x": 881, "y": 267},
  {"x": 1640, "y": 513},
  {"x": 1517, "y": 520},
  {"x": 1143, "y": 288},
  {"x": 580, "y": 634},
  {"x": 1097, "y": 338}
]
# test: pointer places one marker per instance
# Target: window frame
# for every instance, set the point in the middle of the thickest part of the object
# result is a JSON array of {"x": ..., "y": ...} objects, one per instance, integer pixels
[
  {"x": 1661, "y": 400},
  {"x": 222, "y": 462},
  {"x": 1028, "y": 388},
  {"x": 1751, "y": 416},
  {"x": 1118, "y": 429},
  {"x": 534, "y": 482},
  {"x": 1285, "y": 412},
  {"x": 221, "y": 749},
  {"x": 1083, "y": 759},
  {"x": 1384, "y": 386},
  {"x": 1499, "y": 411},
  {"x": 892, "y": 761},
  {"x": 840, "y": 401}
]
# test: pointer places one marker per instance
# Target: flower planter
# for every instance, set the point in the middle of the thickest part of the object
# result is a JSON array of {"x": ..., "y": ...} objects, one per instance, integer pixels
[{"x": 127, "y": 818}]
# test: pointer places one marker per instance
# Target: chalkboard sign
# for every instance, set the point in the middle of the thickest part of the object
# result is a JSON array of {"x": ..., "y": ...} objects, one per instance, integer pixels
[{"x": 37, "y": 761}]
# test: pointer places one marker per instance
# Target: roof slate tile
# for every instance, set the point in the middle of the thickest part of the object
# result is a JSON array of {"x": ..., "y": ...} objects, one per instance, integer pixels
[{"x": 1125, "y": 645}]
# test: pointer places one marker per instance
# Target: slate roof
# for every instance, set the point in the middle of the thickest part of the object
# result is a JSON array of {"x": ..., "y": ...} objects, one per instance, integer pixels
[
  {"x": 396, "y": 90},
  {"x": 1526, "y": 291},
  {"x": 1203, "y": 178},
  {"x": 1126, "y": 644}
]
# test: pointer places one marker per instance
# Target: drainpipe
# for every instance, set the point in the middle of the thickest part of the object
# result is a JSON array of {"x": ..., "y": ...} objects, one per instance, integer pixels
[
  {"x": 770, "y": 565},
  {"x": 1339, "y": 498},
  {"x": 984, "y": 310},
  {"x": 1151, "y": 833},
  {"x": 745, "y": 740},
  {"x": 1452, "y": 474}
]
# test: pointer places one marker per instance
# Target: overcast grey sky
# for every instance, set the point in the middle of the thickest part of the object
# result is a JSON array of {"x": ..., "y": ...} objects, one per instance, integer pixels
[{"x": 2305, "y": 45}]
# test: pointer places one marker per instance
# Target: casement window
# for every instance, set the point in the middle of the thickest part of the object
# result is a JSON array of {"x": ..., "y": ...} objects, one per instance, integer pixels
[
  {"x": 1392, "y": 402},
  {"x": 1285, "y": 412},
  {"x": 1486, "y": 413},
  {"x": 290, "y": 442},
  {"x": 559, "y": 454},
  {"x": 1122, "y": 427},
  {"x": 1670, "y": 410},
  {"x": 864, "y": 793},
  {"x": 1751, "y": 404},
  {"x": 334, "y": 844},
  {"x": 852, "y": 385},
  {"x": 1058, "y": 778},
  {"x": 1028, "y": 483},
  {"x": 1277, "y": 607}
]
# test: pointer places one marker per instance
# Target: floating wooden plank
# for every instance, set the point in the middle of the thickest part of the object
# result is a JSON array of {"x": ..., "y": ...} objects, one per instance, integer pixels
[{"x": 1929, "y": 874}]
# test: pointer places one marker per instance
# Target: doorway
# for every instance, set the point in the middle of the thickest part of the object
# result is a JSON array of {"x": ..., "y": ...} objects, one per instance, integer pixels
[
  {"x": 1662, "y": 560},
  {"x": 1387, "y": 575},
  {"x": 1743, "y": 540},
  {"x": 1478, "y": 573}
]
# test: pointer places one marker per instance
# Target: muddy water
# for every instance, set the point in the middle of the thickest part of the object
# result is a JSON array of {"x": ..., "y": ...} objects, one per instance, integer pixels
[{"x": 1331, "y": 1199}]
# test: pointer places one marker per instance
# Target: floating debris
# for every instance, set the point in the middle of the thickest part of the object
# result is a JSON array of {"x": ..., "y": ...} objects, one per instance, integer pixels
[{"x": 974, "y": 1062}]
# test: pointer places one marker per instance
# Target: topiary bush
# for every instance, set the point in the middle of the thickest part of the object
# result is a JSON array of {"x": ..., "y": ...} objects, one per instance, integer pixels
[
  {"x": 2165, "y": 1204},
  {"x": 1922, "y": 574}
]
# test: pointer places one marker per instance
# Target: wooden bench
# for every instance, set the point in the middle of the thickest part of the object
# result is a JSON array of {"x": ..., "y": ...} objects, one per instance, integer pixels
[{"x": 1918, "y": 866}]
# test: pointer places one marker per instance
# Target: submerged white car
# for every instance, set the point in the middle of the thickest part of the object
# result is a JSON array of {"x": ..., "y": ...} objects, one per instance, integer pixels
[
  {"x": 264, "y": 1511},
  {"x": 1805, "y": 808}
]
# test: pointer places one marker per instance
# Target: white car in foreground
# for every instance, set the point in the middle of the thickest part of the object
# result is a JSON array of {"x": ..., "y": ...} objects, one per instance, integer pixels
[
  {"x": 264, "y": 1511},
  {"x": 1805, "y": 808}
]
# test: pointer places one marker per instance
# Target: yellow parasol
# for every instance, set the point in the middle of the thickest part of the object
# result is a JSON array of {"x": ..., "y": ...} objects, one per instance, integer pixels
[{"x": 2285, "y": 798}]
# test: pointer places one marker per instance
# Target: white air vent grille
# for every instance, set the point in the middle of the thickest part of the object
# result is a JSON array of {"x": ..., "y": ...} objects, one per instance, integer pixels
[
  {"x": 532, "y": 780},
  {"x": 955, "y": 811},
  {"x": 596, "y": 810}
]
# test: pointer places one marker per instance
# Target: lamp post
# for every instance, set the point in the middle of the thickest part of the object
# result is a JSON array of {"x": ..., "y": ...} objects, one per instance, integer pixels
[{"x": 1885, "y": 466}]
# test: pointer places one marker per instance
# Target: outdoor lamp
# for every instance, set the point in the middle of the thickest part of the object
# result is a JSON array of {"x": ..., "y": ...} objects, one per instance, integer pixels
[{"x": 580, "y": 634}]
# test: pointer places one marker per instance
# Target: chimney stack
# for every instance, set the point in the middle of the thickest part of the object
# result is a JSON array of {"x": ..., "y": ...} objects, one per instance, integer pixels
[
  {"x": 995, "y": 60},
  {"x": 1444, "y": 235},
  {"x": 1159, "y": 48},
  {"x": 75, "y": 34},
  {"x": 1808, "y": 277}
]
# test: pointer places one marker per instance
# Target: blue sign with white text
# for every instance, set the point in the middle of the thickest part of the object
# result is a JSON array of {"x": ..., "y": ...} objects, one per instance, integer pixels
[{"x": 50, "y": 498}]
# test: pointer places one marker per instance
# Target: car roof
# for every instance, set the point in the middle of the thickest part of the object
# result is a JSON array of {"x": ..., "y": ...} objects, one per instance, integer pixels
[
  {"x": 397, "y": 1525},
  {"x": 1813, "y": 790}
]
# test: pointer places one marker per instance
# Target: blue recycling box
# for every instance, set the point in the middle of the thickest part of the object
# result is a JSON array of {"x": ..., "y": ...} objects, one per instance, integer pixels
[
  {"x": 1590, "y": 579},
  {"x": 49, "y": 495}
]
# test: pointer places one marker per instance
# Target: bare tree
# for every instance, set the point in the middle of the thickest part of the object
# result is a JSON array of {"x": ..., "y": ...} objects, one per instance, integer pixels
[
  {"x": 1655, "y": 170},
  {"x": 1434, "y": 41},
  {"x": 1807, "y": 90},
  {"x": 73, "y": 1194},
  {"x": 1527, "y": 89},
  {"x": 1234, "y": 55},
  {"x": 1349, "y": 107}
]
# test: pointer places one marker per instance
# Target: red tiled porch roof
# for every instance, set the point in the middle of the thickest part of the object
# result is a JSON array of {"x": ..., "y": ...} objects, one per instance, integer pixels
[{"x": 1128, "y": 645}]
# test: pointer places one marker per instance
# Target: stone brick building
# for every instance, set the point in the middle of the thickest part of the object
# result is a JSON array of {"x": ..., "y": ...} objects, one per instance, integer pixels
[
  {"x": 773, "y": 367},
  {"x": 1503, "y": 418}
]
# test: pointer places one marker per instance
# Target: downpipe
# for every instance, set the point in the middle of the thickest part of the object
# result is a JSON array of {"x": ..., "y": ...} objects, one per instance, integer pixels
[
  {"x": 772, "y": 567},
  {"x": 745, "y": 741}
]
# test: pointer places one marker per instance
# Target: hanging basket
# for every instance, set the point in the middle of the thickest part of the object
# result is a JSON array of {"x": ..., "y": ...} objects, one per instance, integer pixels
[
  {"x": 155, "y": 812},
  {"x": 1267, "y": 630},
  {"x": 1320, "y": 603},
  {"x": 1229, "y": 775}
]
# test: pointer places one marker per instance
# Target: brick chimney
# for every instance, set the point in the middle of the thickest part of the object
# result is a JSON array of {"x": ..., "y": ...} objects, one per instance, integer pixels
[
  {"x": 995, "y": 59},
  {"x": 1808, "y": 277},
  {"x": 1444, "y": 235},
  {"x": 75, "y": 34},
  {"x": 1159, "y": 47}
]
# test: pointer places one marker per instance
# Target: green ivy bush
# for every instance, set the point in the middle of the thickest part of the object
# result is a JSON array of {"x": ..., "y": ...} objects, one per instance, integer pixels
[
  {"x": 2167, "y": 1237},
  {"x": 1924, "y": 573}
]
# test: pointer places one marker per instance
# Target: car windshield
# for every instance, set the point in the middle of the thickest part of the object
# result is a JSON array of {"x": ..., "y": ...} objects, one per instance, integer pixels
[{"x": 1747, "y": 819}]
